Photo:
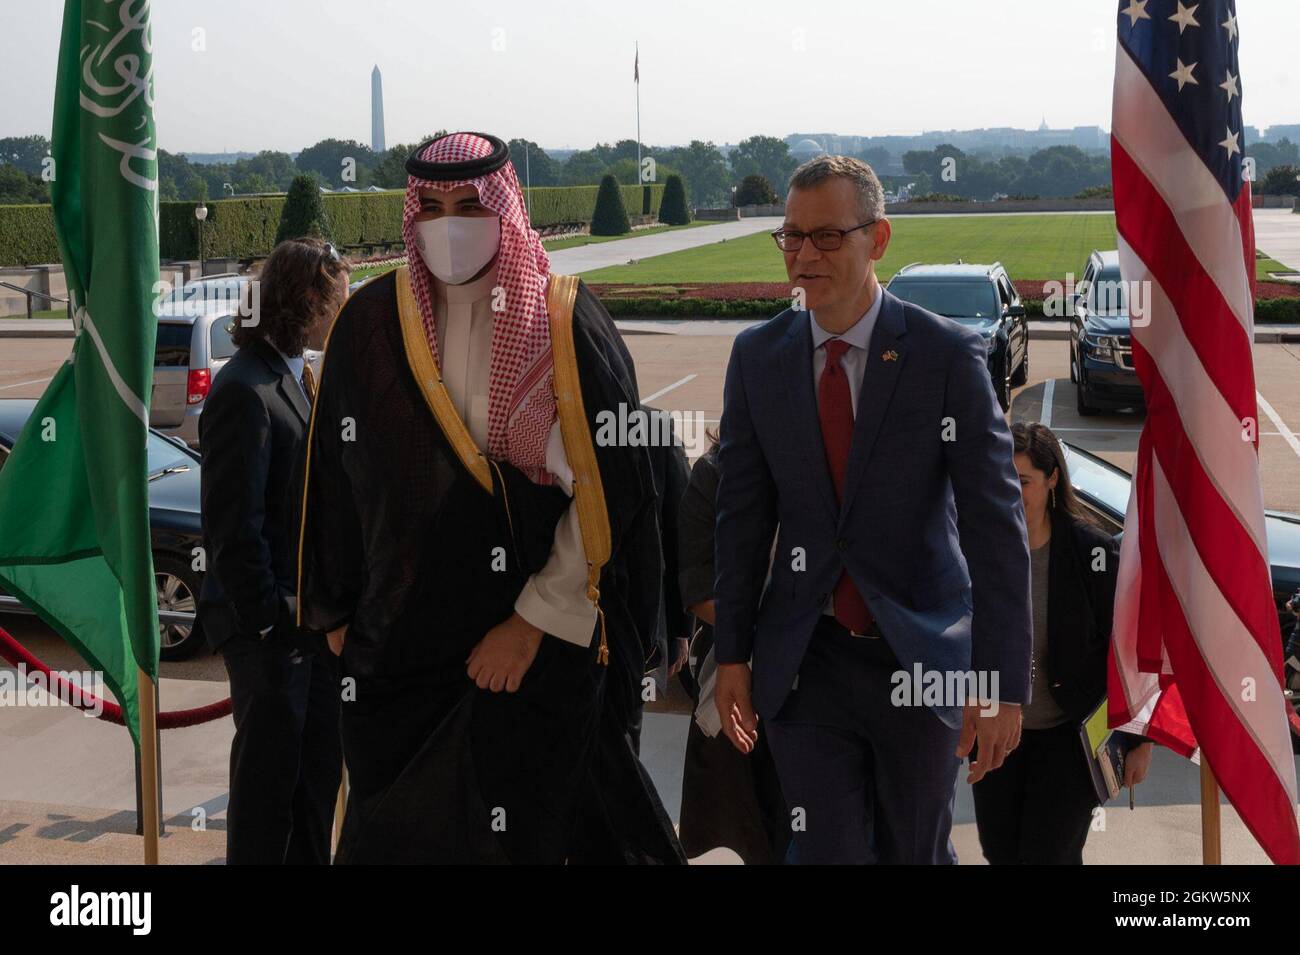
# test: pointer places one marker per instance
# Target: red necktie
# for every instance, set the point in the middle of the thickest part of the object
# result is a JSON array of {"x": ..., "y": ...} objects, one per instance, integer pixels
[{"x": 835, "y": 410}]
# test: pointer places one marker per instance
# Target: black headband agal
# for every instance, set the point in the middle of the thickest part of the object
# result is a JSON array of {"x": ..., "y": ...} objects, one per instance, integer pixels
[{"x": 465, "y": 169}]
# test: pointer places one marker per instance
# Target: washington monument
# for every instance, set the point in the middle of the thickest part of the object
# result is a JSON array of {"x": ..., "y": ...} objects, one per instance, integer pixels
[{"x": 377, "y": 111}]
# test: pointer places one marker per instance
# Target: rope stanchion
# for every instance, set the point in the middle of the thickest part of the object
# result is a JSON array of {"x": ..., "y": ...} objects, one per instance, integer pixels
[{"x": 110, "y": 712}]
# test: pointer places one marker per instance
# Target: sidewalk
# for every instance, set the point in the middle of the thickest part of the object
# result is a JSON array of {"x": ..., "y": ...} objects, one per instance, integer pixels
[
  {"x": 1277, "y": 232},
  {"x": 598, "y": 255}
]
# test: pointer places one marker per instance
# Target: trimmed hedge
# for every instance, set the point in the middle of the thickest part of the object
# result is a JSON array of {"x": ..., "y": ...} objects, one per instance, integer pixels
[
  {"x": 303, "y": 213},
  {"x": 27, "y": 235},
  {"x": 611, "y": 212},
  {"x": 245, "y": 227},
  {"x": 674, "y": 210}
]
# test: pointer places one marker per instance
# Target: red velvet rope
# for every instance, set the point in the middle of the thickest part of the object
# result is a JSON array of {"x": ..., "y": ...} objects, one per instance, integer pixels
[{"x": 16, "y": 653}]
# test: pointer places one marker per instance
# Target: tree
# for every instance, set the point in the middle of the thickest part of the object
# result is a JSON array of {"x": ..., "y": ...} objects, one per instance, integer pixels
[
  {"x": 705, "y": 171},
  {"x": 18, "y": 187},
  {"x": 755, "y": 191},
  {"x": 583, "y": 168},
  {"x": 610, "y": 218},
  {"x": 532, "y": 165},
  {"x": 1267, "y": 155},
  {"x": 271, "y": 171},
  {"x": 335, "y": 159},
  {"x": 304, "y": 211},
  {"x": 1281, "y": 181},
  {"x": 673, "y": 209},
  {"x": 764, "y": 156},
  {"x": 25, "y": 152}
]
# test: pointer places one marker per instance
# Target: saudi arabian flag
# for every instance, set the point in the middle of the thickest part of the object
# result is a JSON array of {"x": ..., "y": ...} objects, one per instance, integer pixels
[{"x": 74, "y": 503}]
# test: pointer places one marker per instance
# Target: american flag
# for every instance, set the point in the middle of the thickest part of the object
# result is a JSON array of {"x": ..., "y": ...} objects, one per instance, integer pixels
[
  {"x": 1196, "y": 649},
  {"x": 636, "y": 66}
]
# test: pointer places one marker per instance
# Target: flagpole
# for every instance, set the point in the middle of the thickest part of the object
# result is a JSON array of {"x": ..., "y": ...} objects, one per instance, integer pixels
[
  {"x": 638, "y": 115},
  {"x": 149, "y": 766},
  {"x": 1211, "y": 847}
]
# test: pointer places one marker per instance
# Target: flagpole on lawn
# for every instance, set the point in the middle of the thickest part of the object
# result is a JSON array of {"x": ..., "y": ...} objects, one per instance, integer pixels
[
  {"x": 1211, "y": 847},
  {"x": 149, "y": 808},
  {"x": 636, "y": 77}
]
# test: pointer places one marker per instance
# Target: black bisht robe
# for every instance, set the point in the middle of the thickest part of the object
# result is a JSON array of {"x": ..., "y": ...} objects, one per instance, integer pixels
[{"x": 403, "y": 542}]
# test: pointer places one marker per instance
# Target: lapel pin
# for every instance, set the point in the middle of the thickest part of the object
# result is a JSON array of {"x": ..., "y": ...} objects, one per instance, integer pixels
[{"x": 889, "y": 355}]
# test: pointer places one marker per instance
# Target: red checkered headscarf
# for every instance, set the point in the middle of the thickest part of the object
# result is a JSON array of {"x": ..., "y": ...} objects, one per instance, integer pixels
[{"x": 521, "y": 395}]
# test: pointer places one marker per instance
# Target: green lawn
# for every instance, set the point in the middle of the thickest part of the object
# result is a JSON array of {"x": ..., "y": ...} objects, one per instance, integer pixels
[
  {"x": 47, "y": 313},
  {"x": 1031, "y": 247}
]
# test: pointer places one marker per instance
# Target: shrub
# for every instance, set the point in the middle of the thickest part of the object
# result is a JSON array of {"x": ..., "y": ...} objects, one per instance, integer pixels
[
  {"x": 304, "y": 212},
  {"x": 610, "y": 217},
  {"x": 755, "y": 190},
  {"x": 674, "y": 209}
]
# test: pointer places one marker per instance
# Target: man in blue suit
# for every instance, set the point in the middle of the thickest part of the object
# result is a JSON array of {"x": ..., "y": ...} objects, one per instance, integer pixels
[{"x": 862, "y": 433}]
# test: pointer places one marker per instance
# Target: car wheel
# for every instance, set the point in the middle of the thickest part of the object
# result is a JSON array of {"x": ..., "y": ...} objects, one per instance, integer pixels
[
  {"x": 1022, "y": 370},
  {"x": 178, "y": 590},
  {"x": 1085, "y": 409},
  {"x": 1073, "y": 377}
]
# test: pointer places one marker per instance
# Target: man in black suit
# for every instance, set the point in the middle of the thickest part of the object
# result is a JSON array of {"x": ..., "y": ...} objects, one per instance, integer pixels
[{"x": 286, "y": 757}]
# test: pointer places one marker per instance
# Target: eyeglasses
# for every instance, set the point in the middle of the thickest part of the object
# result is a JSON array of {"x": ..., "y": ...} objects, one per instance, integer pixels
[{"x": 827, "y": 240}]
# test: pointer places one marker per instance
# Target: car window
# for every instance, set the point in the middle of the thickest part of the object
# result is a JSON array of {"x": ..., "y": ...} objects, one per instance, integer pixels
[
  {"x": 1107, "y": 295},
  {"x": 207, "y": 291},
  {"x": 4, "y": 456},
  {"x": 1108, "y": 487},
  {"x": 1081, "y": 287},
  {"x": 969, "y": 300},
  {"x": 1007, "y": 291},
  {"x": 219, "y": 337},
  {"x": 173, "y": 346}
]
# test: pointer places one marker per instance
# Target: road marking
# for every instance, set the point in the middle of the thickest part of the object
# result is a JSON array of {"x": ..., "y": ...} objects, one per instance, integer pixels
[
  {"x": 1049, "y": 392},
  {"x": 1279, "y": 423},
  {"x": 19, "y": 384},
  {"x": 663, "y": 391}
]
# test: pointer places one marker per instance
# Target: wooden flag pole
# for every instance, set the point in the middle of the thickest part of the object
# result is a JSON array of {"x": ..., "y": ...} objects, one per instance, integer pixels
[
  {"x": 1211, "y": 846},
  {"x": 340, "y": 806},
  {"x": 149, "y": 766}
]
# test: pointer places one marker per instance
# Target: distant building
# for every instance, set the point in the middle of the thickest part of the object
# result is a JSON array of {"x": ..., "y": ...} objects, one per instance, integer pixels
[
  {"x": 1277, "y": 133},
  {"x": 377, "y": 111},
  {"x": 806, "y": 149}
]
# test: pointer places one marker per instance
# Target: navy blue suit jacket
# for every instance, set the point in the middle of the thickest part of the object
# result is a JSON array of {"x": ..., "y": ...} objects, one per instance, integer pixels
[{"x": 932, "y": 529}]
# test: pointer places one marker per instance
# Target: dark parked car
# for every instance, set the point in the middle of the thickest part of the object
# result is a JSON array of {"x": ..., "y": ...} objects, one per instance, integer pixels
[
  {"x": 981, "y": 297},
  {"x": 1101, "y": 351},
  {"x": 1104, "y": 490},
  {"x": 173, "y": 519}
]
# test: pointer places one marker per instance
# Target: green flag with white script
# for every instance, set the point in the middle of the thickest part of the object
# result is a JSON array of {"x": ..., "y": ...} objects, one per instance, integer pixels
[{"x": 74, "y": 503}]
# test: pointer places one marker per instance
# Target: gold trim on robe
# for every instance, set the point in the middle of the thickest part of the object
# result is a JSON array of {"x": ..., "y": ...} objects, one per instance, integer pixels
[
  {"x": 588, "y": 492},
  {"x": 429, "y": 378}
]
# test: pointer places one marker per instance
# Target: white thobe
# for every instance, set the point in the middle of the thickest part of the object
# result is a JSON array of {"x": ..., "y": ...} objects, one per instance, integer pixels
[{"x": 555, "y": 598}]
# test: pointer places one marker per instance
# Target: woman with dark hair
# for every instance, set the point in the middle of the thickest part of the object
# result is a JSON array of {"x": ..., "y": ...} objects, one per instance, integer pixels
[
  {"x": 286, "y": 757},
  {"x": 1038, "y": 807}
]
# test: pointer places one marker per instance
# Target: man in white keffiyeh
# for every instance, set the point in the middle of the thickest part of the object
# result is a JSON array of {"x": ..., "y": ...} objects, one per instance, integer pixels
[{"x": 489, "y": 571}]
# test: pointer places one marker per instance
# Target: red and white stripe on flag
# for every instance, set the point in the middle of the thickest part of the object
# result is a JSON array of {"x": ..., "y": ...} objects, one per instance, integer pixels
[{"x": 1196, "y": 648}]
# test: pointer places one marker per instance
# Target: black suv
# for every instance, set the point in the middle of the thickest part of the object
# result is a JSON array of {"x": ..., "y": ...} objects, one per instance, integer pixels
[
  {"x": 980, "y": 297},
  {"x": 1101, "y": 351}
]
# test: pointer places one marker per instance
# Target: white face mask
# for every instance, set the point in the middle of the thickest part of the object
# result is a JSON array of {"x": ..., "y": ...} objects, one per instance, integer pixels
[{"x": 455, "y": 248}]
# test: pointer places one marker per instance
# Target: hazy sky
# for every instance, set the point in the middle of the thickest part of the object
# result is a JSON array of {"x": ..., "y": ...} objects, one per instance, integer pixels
[{"x": 282, "y": 74}]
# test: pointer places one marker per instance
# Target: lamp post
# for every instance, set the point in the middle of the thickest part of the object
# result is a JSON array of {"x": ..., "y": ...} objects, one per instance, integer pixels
[{"x": 201, "y": 213}]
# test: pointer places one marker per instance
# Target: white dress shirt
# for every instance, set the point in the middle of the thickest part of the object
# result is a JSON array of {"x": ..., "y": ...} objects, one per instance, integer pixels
[
  {"x": 295, "y": 367},
  {"x": 555, "y": 598},
  {"x": 853, "y": 361}
]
